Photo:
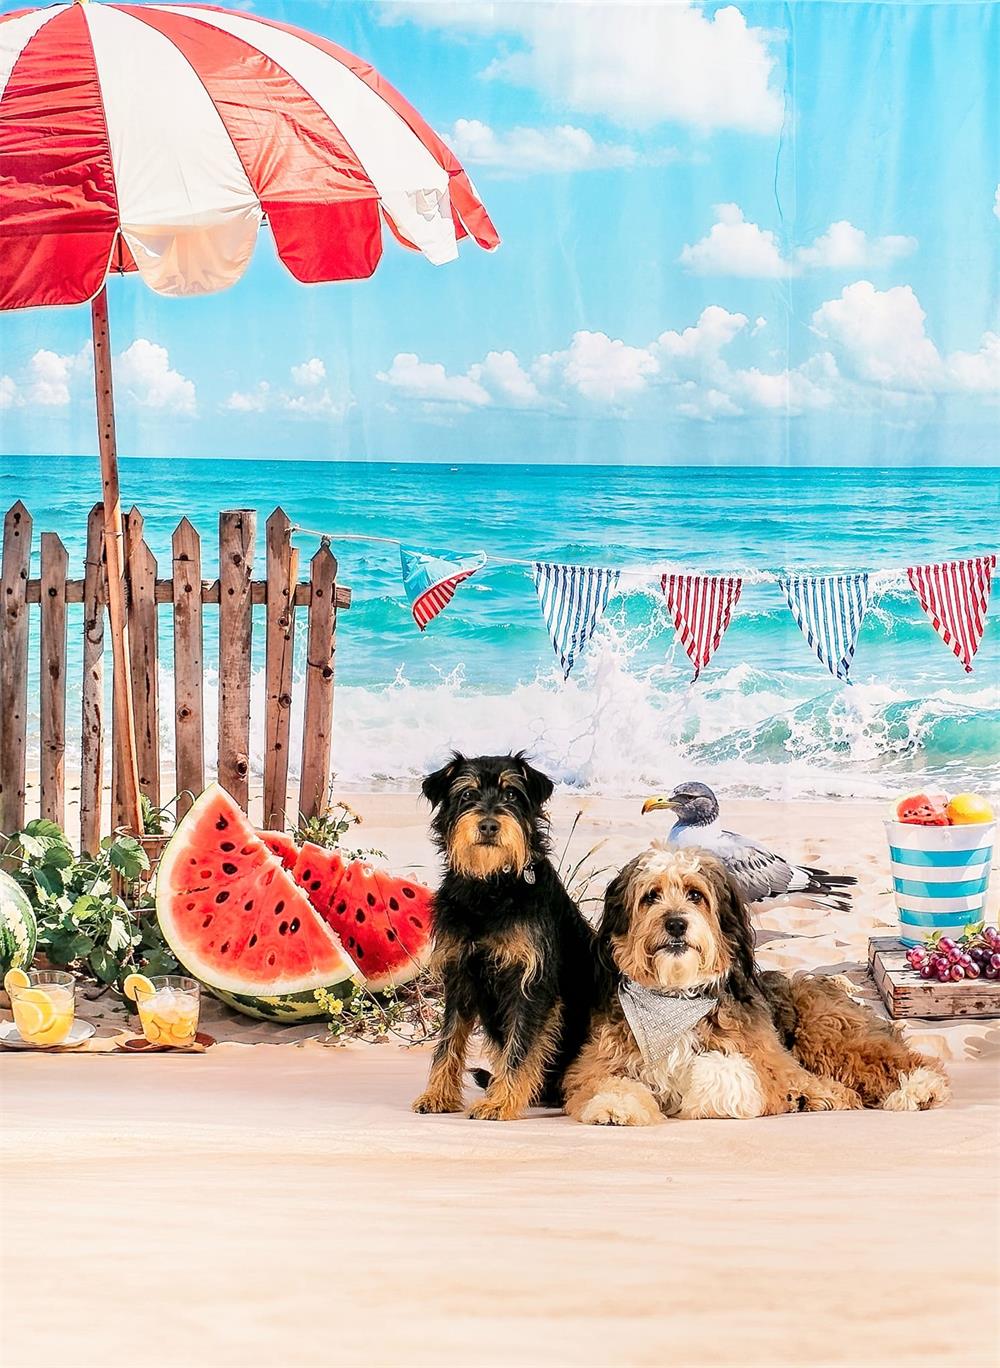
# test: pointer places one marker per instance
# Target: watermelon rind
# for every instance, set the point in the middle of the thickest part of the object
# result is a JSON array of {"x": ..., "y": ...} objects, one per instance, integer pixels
[
  {"x": 171, "y": 879},
  {"x": 290, "y": 1009},
  {"x": 18, "y": 927}
]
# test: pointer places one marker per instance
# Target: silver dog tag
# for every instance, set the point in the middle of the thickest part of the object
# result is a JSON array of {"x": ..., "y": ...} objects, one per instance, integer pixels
[{"x": 528, "y": 875}]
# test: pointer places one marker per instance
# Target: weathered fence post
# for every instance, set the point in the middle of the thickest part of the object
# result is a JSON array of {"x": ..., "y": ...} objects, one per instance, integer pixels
[
  {"x": 282, "y": 578},
  {"x": 237, "y": 533},
  {"x": 317, "y": 722},
  {"x": 189, "y": 697},
  {"x": 52, "y": 677},
  {"x": 92, "y": 728},
  {"x": 14, "y": 665},
  {"x": 144, "y": 654}
]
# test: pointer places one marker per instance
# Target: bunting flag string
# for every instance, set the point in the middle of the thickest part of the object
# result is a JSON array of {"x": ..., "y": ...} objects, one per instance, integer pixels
[
  {"x": 955, "y": 595},
  {"x": 573, "y": 599},
  {"x": 829, "y": 610},
  {"x": 701, "y": 607},
  {"x": 430, "y": 581}
]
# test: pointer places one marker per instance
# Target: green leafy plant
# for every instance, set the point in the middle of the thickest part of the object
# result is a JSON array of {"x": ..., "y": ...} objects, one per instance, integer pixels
[
  {"x": 411, "y": 1013},
  {"x": 580, "y": 876},
  {"x": 84, "y": 921}
]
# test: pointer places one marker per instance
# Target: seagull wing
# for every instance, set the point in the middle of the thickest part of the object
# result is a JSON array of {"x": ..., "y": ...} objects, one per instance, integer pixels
[{"x": 760, "y": 873}]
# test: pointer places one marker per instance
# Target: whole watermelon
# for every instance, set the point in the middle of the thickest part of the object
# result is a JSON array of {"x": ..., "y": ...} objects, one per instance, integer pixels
[{"x": 18, "y": 928}]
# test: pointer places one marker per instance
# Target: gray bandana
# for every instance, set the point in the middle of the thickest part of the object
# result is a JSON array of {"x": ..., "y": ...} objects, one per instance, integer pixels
[{"x": 658, "y": 1019}]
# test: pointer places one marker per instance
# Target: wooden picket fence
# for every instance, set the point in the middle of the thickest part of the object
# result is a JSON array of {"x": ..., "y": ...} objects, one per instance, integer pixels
[{"x": 234, "y": 593}]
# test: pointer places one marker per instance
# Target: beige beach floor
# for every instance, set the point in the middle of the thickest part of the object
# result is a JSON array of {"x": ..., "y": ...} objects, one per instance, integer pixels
[{"x": 281, "y": 1204}]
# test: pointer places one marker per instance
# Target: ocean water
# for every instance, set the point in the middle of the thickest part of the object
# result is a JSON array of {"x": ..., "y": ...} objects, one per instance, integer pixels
[{"x": 765, "y": 717}]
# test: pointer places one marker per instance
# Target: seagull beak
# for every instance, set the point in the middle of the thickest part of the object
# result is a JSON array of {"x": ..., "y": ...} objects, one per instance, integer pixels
[{"x": 654, "y": 804}]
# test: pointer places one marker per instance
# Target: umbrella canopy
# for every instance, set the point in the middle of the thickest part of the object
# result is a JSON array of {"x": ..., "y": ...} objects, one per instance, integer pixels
[{"x": 157, "y": 137}]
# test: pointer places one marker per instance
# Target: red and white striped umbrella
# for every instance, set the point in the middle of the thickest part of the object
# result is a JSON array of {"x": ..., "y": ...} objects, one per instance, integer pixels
[{"x": 157, "y": 137}]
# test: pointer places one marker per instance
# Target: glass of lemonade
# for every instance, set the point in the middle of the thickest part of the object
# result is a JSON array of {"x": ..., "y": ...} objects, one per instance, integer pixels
[
  {"x": 169, "y": 1014},
  {"x": 44, "y": 1010}
]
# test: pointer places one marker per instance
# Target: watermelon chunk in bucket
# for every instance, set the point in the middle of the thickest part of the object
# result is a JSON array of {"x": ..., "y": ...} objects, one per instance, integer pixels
[{"x": 233, "y": 915}]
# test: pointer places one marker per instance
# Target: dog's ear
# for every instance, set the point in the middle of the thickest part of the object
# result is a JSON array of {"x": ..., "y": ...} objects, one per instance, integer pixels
[
  {"x": 614, "y": 922},
  {"x": 538, "y": 785},
  {"x": 734, "y": 922},
  {"x": 436, "y": 786}
]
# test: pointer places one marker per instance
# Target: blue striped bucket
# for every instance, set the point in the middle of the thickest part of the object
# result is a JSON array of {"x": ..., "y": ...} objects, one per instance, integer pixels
[{"x": 940, "y": 876}]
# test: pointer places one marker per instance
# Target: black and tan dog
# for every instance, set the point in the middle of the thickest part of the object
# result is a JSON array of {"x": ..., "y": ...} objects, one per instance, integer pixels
[
  {"x": 515, "y": 954},
  {"x": 687, "y": 1025}
]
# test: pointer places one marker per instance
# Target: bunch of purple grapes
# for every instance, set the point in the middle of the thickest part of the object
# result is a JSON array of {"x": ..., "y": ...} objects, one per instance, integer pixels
[{"x": 950, "y": 961}]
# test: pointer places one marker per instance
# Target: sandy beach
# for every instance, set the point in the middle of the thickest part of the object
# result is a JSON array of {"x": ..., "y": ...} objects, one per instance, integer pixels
[{"x": 255, "y": 1206}]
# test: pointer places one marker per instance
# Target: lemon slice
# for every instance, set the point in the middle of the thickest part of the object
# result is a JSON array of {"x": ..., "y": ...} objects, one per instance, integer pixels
[
  {"x": 15, "y": 978},
  {"x": 37, "y": 999},
  {"x": 29, "y": 1019},
  {"x": 137, "y": 983}
]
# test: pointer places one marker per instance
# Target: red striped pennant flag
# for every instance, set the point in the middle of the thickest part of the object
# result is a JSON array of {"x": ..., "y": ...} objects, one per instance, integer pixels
[
  {"x": 430, "y": 581},
  {"x": 701, "y": 607},
  {"x": 954, "y": 595}
]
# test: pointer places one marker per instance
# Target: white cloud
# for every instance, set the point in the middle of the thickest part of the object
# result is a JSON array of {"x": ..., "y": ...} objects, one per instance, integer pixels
[
  {"x": 503, "y": 376},
  {"x": 996, "y": 202},
  {"x": 431, "y": 383},
  {"x": 882, "y": 338},
  {"x": 8, "y": 392},
  {"x": 250, "y": 401},
  {"x": 845, "y": 247},
  {"x": 601, "y": 368},
  {"x": 525, "y": 151},
  {"x": 638, "y": 65},
  {"x": 715, "y": 329},
  {"x": 310, "y": 373},
  {"x": 736, "y": 247},
  {"x": 144, "y": 372}
]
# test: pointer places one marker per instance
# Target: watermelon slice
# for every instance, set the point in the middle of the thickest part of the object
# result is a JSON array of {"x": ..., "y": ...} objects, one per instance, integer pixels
[
  {"x": 923, "y": 809},
  {"x": 282, "y": 844},
  {"x": 384, "y": 922},
  {"x": 233, "y": 916},
  {"x": 318, "y": 871}
]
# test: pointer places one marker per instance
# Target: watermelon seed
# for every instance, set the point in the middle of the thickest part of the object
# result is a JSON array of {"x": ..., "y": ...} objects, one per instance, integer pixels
[
  {"x": 408, "y": 892},
  {"x": 248, "y": 905},
  {"x": 417, "y": 923},
  {"x": 206, "y": 873},
  {"x": 190, "y": 907},
  {"x": 208, "y": 921},
  {"x": 359, "y": 915},
  {"x": 229, "y": 867},
  {"x": 227, "y": 846},
  {"x": 193, "y": 859},
  {"x": 358, "y": 952},
  {"x": 247, "y": 850},
  {"x": 307, "y": 874},
  {"x": 316, "y": 885},
  {"x": 394, "y": 904},
  {"x": 341, "y": 907},
  {"x": 371, "y": 899},
  {"x": 253, "y": 940},
  {"x": 271, "y": 959},
  {"x": 282, "y": 928},
  {"x": 222, "y": 897},
  {"x": 221, "y": 824},
  {"x": 294, "y": 926},
  {"x": 268, "y": 877},
  {"x": 223, "y": 948},
  {"x": 351, "y": 942},
  {"x": 390, "y": 935},
  {"x": 279, "y": 907}
]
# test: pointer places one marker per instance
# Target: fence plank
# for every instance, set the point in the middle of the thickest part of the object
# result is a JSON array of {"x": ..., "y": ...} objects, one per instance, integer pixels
[
  {"x": 14, "y": 665},
  {"x": 282, "y": 573},
  {"x": 92, "y": 725},
  {"x": 209, "y": 592},
  {"x": 189, "y": 699},
  {"x": 237, "y": 533},
  {"x": 143, "y": 630},
  {"x": 317, "y": 724},
  {"x": 52, "y": 702}
]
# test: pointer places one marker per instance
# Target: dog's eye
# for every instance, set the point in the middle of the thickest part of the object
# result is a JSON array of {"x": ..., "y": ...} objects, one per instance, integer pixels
[
  {"x": 509, "y": 795},
  {"x": 695, "y": 896},
  {"x": 650, "y": 897}
]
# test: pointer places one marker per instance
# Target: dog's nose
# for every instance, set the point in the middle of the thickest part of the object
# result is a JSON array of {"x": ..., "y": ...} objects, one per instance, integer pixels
[
  {"x": 676, "y": 927},
  {"x": 488, "y": 827}
]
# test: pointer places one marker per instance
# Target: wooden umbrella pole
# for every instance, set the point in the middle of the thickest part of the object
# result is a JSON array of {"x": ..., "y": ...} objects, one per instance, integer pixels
[{"x": 125, "y": 758}]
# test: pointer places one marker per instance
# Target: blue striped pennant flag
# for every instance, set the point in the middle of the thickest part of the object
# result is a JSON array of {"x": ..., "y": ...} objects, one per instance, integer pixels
[
  {"x": 573, "y": 599},
  {"x": 430, "y": 581},
  {"x": 829, "y": 610}
]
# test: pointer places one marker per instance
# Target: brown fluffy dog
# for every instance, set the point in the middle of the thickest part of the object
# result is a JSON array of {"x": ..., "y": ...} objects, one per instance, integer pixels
[{"x": 675, "y": 943}]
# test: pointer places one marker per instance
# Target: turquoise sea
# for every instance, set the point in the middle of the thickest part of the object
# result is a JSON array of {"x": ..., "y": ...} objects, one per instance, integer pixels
[{"x": 765, "y": 716}]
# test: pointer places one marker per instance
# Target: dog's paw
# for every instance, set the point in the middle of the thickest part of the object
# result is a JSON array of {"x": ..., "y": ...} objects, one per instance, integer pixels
[
  {"x": 918, "y": 1090},
  {"x": 437, "y": 1104},
  {"x": 619, "y": 1109},
  {"x": 826, "y": 1094},
  {"x": 492, "y": 1111}
]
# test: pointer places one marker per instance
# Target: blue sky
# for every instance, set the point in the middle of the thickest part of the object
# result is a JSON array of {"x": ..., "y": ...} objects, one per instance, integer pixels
[{"x": 759, "y": 233}]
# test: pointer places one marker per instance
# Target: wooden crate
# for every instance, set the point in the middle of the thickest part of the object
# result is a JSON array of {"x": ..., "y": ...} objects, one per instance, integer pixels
[{"x": 906, "y": 994}]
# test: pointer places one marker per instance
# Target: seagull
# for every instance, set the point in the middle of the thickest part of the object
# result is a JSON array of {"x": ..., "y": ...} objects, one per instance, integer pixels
[{"x": 767, "y": 880}]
